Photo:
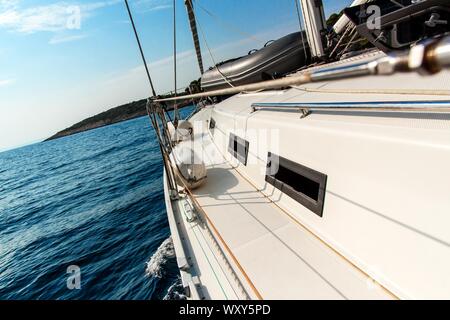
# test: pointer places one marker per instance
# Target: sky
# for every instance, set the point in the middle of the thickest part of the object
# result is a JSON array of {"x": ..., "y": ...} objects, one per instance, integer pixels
[{"x": 62, "y": 61}]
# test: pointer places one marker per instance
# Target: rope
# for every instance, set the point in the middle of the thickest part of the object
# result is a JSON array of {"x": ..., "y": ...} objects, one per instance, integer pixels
[
  {"x": 222, "y": 241},
  {"x": 171, "y": 179},
  {"x": 207, "y": 259},
  {"x": 234, "y": 281}
]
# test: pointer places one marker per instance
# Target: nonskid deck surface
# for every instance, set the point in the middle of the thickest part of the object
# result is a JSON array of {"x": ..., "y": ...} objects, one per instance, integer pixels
[
  {"x": 278, "y": 257},
  {"x": 386, "y": 200}
]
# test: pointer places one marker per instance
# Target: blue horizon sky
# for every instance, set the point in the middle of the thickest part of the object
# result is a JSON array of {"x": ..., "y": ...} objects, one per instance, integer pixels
[{"x": 54, "y": 73}]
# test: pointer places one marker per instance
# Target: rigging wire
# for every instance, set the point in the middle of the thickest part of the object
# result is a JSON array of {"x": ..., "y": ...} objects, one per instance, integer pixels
[
  {"x": 140, "y": 48},
  {"x": 211, "y": 55},
  {"x": 397, "y": 3},
  {"x": 175, "y": 107},
  {"x": 226, "y": 25},
  {"x": 350, "y": 42},
  {"x": 341, "y": 39},
  {"x": 151, "y": 114}
]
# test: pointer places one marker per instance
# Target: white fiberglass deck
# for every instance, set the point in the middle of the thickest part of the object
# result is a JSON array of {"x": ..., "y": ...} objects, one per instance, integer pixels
[{"x": 279, "y": 257}]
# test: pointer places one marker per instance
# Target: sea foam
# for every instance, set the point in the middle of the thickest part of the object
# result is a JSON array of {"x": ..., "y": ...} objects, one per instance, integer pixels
[
  {"x": 175, "y": 291},
  {"x": 155, "y": 266}
]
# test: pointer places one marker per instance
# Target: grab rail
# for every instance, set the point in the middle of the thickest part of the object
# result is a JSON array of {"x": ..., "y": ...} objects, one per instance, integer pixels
[{"x": 442, "y": 106}]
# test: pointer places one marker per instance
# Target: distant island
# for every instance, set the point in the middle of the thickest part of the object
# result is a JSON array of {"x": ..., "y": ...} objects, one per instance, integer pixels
[{"x": 121, "y": 113}]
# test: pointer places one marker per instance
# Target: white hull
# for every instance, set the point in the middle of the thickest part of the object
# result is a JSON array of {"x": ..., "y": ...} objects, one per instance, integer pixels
[{"x": 384, "y": 233}]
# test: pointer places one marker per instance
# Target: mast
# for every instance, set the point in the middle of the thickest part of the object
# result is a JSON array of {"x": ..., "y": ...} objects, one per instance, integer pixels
[
  {"x": 315, "y": 25},
  {"x": 192, "y": 22}
]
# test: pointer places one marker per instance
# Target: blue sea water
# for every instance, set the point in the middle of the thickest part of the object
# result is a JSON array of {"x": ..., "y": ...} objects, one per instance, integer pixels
[{"x": 93, "y": 200}]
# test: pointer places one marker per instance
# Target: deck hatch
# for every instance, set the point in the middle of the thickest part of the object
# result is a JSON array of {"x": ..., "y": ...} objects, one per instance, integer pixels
[
  {"x": 303, "y": 184},
  {"x": 238, "y": 147}
]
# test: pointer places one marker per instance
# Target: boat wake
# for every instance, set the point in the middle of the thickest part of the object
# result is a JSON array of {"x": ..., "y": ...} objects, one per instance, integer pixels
[
  {"x": 165, "y": 252},
  {"x": 175, "y": 291}
]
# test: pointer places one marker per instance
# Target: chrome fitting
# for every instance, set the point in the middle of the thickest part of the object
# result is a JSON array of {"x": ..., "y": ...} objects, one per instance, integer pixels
[
  {"x": 394, "y": 62},
  {"x": 430, "y": 56}
]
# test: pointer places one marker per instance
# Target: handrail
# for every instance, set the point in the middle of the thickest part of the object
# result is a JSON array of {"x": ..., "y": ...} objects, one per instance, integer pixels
[{"x": 439, "y": 106}]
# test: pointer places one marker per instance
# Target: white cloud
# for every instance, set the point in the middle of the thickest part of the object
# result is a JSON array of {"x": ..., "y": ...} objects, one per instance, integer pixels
[
  {"x": 100, "y": 4},
  {"x": 152, "y": 5},
  {"x": 8, "y": 4},
  {"x": 6, "y": 82},
  {"x": 161, "y": 7},
  {"x": 51, "y": 18},
  {"x": 63, "y": 39}
]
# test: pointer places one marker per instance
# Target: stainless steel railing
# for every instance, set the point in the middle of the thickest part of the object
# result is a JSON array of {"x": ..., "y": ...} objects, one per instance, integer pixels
[{"x": 379, "y": 106}]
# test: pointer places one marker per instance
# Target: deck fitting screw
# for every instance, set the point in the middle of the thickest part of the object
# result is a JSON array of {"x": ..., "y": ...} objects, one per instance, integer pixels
[{"x": 304, "y": 112}]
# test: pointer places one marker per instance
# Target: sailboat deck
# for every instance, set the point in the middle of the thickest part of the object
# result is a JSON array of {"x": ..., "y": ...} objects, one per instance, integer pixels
[{"x": 278, "y": 257}]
